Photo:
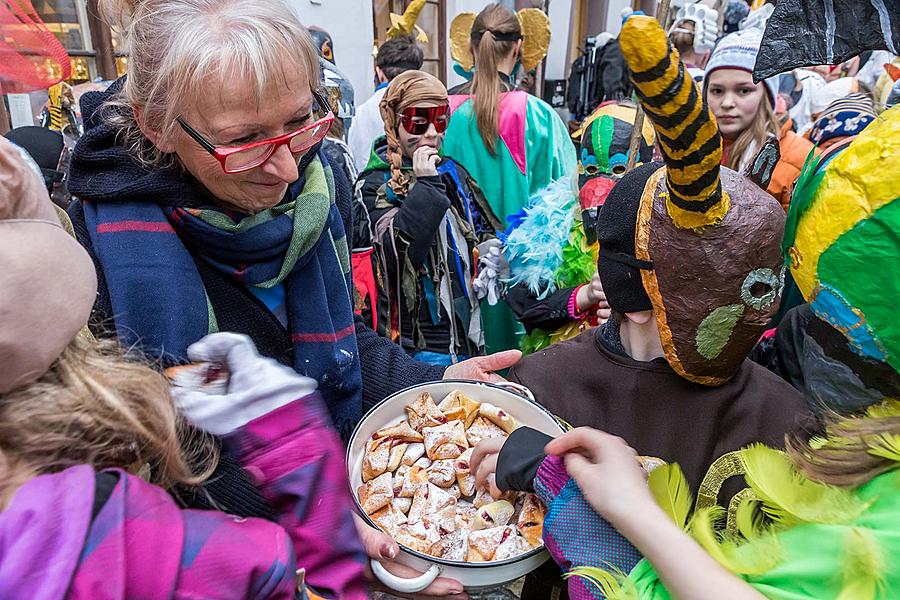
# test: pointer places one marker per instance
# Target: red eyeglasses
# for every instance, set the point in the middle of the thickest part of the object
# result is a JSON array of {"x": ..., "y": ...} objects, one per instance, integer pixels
[
  {"x": 415, "y": 119},
  {"x": 236, "y": 159}
]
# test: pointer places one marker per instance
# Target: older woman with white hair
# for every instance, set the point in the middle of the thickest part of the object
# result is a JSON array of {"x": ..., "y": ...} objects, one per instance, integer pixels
[{"x": 208, "y": 205}]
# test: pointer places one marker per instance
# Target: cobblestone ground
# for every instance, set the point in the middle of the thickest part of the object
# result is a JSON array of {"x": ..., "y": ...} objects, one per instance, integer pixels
[{"x": 510, "y": 592}]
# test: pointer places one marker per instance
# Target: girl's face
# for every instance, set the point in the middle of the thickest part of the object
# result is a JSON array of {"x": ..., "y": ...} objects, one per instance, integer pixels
[
  {"x": 733, "y": 99},
  {"x": 409, "y": 142}
]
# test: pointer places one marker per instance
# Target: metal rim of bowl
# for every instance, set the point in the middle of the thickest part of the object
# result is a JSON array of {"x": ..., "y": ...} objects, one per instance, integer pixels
[{"x": 443, "y": 561}]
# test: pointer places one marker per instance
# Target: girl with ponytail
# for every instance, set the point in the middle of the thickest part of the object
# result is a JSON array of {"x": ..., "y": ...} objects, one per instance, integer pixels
[
  {"x": 493, "y": 122},
  {"x": 512, "y": 143}
]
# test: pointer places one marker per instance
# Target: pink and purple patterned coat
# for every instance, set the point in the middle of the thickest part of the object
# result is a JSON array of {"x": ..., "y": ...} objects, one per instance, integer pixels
[{"x": 56, "y": 542}]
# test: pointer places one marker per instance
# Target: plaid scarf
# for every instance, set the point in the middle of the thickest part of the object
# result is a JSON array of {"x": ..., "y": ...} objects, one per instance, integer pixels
[{"x": 161, "y": 306}]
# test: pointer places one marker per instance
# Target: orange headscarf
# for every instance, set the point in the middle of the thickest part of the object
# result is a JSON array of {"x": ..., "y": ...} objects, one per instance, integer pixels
[{"x": 407, "y": 89}]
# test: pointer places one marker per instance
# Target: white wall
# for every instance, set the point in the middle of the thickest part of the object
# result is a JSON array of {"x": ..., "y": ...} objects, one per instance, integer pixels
[
  {"x": 560, "y": 13},
  {"x": 614, "y": 16},
  {"x": 454, "y": 7},
  {"x": 350, "y": 24}
]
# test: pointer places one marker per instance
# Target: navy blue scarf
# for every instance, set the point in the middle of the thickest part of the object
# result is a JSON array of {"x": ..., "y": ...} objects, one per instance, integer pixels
[{"x": 160, "y": 304}]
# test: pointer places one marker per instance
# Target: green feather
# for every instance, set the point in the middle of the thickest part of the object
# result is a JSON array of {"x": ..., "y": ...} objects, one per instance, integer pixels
[
  {"x": 864, "y": 569},
  {"x": 579, "y": 259},
  {"x": 534, "y": 341},
  {"x": 802, "y": 196},
  {"x": 614, "y": 584},
  {"x": 788, "y": 497},
  {"x": 671, "y": 490},
  {"x": 886, "y": 445}
]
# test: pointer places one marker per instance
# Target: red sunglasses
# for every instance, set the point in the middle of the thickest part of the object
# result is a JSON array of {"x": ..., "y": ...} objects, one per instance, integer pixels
[
  {"x": 415, "y": 119},
  {"x": 236, "y": 159}
]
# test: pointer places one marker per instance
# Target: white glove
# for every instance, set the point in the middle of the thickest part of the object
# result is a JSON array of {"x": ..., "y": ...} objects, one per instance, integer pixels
[
  {"x": 492, "y": 266},
  {"x": 257, "y": 385}
]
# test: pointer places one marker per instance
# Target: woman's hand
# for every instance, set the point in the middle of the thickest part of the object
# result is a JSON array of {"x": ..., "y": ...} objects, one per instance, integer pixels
[
  {"x": 608, "y": 472},
  {"x": 425, "y": 160},
  {"x": 256, "y": 386},
  {"x": 592, "y": 295},
  {"x": 379, "y": 546},
  {"x": 483, "y": 464},
  {"x": 481, "y": 368}
]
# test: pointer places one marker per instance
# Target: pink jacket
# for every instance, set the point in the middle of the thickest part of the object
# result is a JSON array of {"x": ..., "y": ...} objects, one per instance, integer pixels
[{"x": 57, "y": 542}]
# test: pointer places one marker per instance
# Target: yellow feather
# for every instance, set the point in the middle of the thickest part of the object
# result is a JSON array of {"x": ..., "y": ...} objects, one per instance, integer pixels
[
  {"x": 672, "y": 492},
  {"x": 864, "y": 566},
  {"x": 887, "y": 446},
  {"x": 753, "y": 557},
  {"x": 788, "y": 497},
  {"x": 890, "y": 407},
  {"x": 749, "y": 518},
  {"x": 614, "y": 584}
]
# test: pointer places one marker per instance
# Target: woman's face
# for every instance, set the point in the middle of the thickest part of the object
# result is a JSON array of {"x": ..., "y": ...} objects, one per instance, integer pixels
[
  {"x": 232, "y": 118},
  {"x": 409, "y": 143},
  {"x": 733, "y": 99}
]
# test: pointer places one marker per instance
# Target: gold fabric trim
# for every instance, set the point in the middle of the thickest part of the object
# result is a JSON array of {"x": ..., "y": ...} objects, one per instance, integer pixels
[
  {"x": 726, "y": 466},
  {"x": 736, "y": 500}
]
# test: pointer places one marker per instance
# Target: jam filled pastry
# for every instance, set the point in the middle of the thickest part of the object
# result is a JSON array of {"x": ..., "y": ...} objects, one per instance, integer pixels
[
  {"x": 511, "y": 546},
  {"x": 464, "y": 476},
  {"x": 397, "y": 453},
  {"x": 498, "y": 417},
  {"x": 401, "y": 432},
  {"x": 531, "y": 520},
  {"x": 376, "y": 494},
  {"x": 389, "y": 518},
  {"x": 418, "y": 536},
  {"x": 444, "y": 519},
  {"x": 445, "y": 441},
  {"x": 206, "y": 377},
  {"x": 482, "y": 429},
  {"x": 483, "y": 543},
  {"x": 459, "y": 407},
  {"x": 410, "y": 482},
  {"x": 442, "y": 473},
  {"x": 429, "y": 499},
  {"x": 376, "y": 458},
  {"x": 494, "y": 514},
  {"x": 424, "y": 413},
  {"x": 454, "y": 546},
  {"x": 414, "y": 452}
]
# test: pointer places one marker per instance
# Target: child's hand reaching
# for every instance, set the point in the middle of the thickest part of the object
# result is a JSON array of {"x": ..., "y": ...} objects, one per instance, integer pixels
[
  {"x": 258, "y": 385},
  {"x": 484, "y": 464},
  {"x": 606, "y": 469}
]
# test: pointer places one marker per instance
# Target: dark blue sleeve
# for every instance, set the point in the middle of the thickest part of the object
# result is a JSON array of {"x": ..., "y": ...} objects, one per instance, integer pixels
[{"x": 387, "y": 368}]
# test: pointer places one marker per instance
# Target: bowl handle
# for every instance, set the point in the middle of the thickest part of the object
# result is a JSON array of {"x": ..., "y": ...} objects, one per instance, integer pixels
[
  {"x": 517, "y": 388},
  {"x": 399, "y": 584},
  {"x": 521, "y": 390}
]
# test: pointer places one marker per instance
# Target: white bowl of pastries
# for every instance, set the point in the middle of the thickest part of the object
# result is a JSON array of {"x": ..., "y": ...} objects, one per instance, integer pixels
[{"x": 408, "y": 461}]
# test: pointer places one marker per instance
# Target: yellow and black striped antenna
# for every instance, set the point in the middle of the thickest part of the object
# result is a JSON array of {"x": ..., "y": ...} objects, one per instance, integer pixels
[{"x": 686, "y": 130}]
